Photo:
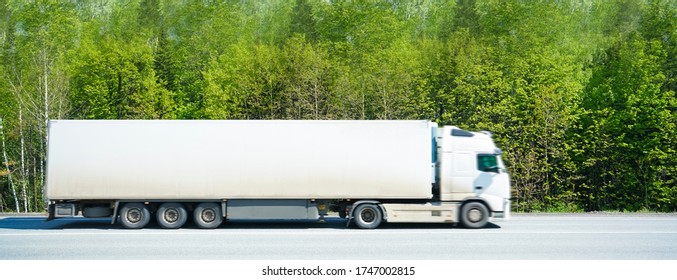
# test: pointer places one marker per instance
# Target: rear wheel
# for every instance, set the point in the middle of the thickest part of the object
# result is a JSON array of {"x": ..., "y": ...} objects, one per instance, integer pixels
[
  {"x": 208, "y": 215},
  {"x": 367, "y": 216},
  {"x": 134, "y": 215},
  {"x": 474, "y": 215},
  {"x": 171, "y": 215}
]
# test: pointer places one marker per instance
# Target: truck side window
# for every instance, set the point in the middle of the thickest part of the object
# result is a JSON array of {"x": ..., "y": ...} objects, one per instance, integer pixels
[{"x": 487, "y": 163}]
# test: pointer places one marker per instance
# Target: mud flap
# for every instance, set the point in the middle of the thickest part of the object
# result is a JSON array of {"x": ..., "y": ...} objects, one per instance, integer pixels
[{"x": 50, "y": 212}]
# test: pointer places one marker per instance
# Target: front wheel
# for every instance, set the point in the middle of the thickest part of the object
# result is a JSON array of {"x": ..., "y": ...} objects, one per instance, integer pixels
[
  {"x": 208, "y": 215},
  {"x": 474, "y": 215},
  {"x": 134, "y": 215},
  {"x": 367, "y": 216}
]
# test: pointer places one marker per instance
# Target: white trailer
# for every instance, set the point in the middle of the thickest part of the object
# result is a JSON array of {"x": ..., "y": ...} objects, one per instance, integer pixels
[{"x": 372, "y": 171}]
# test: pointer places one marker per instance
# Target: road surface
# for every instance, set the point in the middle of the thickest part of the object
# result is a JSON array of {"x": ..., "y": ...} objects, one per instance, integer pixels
[{"x": 524, "y": 237}]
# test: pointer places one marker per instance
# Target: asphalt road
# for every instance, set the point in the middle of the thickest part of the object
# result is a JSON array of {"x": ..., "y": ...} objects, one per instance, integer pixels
[{"x": 524, "y": 237}]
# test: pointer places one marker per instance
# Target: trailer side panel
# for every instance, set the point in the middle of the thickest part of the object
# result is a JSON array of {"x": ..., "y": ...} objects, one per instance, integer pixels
[{"x": 239, "y": 160}]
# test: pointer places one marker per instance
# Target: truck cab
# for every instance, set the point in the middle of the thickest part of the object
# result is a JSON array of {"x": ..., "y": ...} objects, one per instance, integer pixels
[{"x": 470, "y": 168}]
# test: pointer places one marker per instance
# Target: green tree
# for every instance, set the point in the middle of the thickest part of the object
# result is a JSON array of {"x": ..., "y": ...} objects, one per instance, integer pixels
[{"x": 629, "y": 125}]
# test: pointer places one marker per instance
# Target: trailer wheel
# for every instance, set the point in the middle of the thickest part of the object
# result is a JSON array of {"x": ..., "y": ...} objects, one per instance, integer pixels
[
  {"x": 171, "y": 215},
  {"x": 367, "y": 216},
  {"x": 134, "y": 215},
  {"x": 208, "y": 215},
  {"x": 474, "y": 215}
]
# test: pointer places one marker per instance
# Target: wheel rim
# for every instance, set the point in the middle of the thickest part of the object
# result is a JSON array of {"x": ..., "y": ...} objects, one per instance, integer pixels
[
  {"x": 208, "y": 215},
  {"x": 475, "y": 215},
  {"x": 134, "y": 215},
  {"x": 368, "y": 215},
  {"x": 171, "y": 215}
]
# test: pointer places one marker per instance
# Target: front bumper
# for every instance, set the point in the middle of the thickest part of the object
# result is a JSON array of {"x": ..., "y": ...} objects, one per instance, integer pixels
[{"x": 505, "y": 214}]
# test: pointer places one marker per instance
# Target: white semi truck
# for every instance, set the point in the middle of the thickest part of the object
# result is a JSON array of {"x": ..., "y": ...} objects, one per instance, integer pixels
[{"x": 134, "y": 171}]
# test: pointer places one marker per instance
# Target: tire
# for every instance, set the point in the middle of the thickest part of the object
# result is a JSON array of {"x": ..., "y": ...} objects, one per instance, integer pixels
[
  {"x": 208, "y": 215},
  {"x": 171, "y": 215},
  {"x": 474, "y": 215},
  {"x": 367, "y": 216},
  {"x": 134, "y": 215}
]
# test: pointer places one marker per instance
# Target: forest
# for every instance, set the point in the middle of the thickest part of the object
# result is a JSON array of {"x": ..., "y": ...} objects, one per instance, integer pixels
[{"x": 579, "y": 94}]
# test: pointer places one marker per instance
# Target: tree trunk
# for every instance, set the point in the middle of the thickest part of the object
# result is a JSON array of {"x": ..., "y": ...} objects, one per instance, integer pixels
[
  {"x": 43, "y": 154},
  {"x": 24, "y": 172},
  {"x": 35, "y": 181}
]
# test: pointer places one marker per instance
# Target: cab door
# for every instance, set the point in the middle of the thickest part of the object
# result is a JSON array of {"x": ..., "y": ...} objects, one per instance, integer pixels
[
  {"x": 487, "y": 171},
  {"x": 493, "y": 182}
]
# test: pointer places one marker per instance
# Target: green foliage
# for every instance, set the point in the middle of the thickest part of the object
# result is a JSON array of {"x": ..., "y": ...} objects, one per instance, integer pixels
[{"x": 581, "y": 95}]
